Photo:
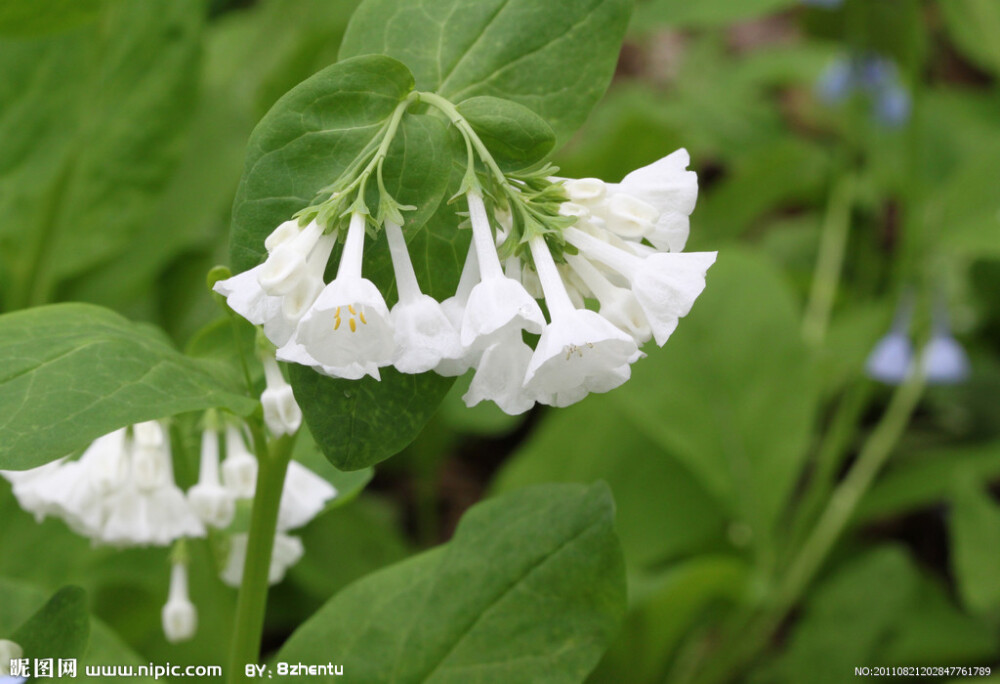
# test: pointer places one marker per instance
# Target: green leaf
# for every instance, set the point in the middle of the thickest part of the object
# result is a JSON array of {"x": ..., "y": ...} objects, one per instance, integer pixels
[
  {"x": 555, "y": 57},
  {"x": 21, "y": 601},
  {"x": 662, "y": 611},
  {"x": 317, "y": 129},
  {"x": 531, "y": 588},
  {"x": 70, "y": 373},
  {"x": 515, "y": 135},
  {"x": 60, "y": 629},
  {"x": 358, "y": 423},
  {"x": 663, "y": 511},
  {"x": 926, "y": 479},
  {"x": 849, "y": 616},
  {"x": 974, "y": 25},
  {"x": 37, "y": 17},
  {"x": 654, "y": 14},
  {"x": 347, "y": 484},
  {"x": 733, "y": 395},
  {"x": 89, "y": 127},
  {"x": 974, "y": 525}
]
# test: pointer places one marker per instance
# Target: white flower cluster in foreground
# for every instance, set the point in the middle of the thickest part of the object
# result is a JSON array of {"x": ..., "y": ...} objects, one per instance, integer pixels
[
  {"x": 122, "y": 492},
  {"x": 626, "y": 256}
]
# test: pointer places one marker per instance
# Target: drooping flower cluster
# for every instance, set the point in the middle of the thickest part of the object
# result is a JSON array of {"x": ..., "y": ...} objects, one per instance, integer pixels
[
  {"x": 121, "y": 491},
  {"x": 873, "y": 77},
  {"x": 617, "y": 245},
  {"x": 942, "y": 360}
]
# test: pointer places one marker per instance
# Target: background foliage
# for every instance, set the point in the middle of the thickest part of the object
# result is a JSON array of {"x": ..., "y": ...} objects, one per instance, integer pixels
[{"x": 123, "y": 129}]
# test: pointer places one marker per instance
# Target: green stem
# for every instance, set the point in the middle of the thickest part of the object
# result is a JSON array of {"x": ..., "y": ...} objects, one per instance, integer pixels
[
  {"x": 829, "y": 264},
  {"x": 834, "y": 447},
  {"x": 456, "y": 118},
  {"x": 252, "y": 601},
  {"x": 838, "y": 513}
]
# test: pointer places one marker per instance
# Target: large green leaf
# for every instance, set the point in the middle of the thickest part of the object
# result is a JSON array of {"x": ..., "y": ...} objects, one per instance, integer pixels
[
  {"x": 663, "y": 610},
  {"x": 317, "y": 130},
  {"x": 515, "y": 135},
  {"x": 89, "y": 125},
  {"x": 70, "y": 373},
  {"x": 733, "y": 393},
  {"x": 849, "y": 617},
  {"x": 975, "y": 535},
  {"x": 531, "y": 588},
  {"x": 37, "y": 17},
  {"x": 20, "y": 602},
  {"x": 60, "y": 629},
  {"x": 663, "y": 511},
  {"x": 555, "y": 57},
  {"x": 974, "y": 25}
]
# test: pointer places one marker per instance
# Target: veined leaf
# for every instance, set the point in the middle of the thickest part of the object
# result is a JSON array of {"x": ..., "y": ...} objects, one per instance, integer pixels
[{"x": 70, "y": 373}]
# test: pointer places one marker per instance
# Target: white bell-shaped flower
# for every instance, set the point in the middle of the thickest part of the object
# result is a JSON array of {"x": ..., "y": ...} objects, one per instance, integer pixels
[
  {"x": 80, "y": 489},
  {"x": 211, "y": 502},
  {"x": 149, "y": 509},
  {"x": 500, "y": 375},
  {"x": 349, "y": 322},
  {"x": 665, "y": 284},
  {"x": 424, "y": 335},
  {"x": 281, "y": 412},
  {"x": 618, "y": 304},
  {"x": 454, "y": 310},
  {"x": 243, "y": 291},
  {"x": 303, "y": 497},
  {"x": 179, "y": 615},
  {"x": 287, "y": 552},
  {"x": 496, "y": 302},
  {"x": 672, "y": 190},
  {"x": 9, "y": 651},
  {"x": 33, "y": 488},
  {"x": 286, "y": 263},
  {"x": 579, "y": 351},
  {"x": 239, "y": 470}
]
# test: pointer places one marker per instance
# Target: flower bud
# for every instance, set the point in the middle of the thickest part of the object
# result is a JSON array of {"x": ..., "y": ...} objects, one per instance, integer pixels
[
  {"x": 239, "y": 470},
  {"x": 630, "y": 217},
  {"x": 179, "y": 616},
  {"x": 8, "y": 651}
]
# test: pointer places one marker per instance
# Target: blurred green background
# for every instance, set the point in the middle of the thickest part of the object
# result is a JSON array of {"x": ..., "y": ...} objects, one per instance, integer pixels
[{"x": 122, "y": 134}]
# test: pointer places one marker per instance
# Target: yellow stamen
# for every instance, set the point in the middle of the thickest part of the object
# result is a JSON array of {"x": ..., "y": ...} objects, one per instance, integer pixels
[
  {"x": 354, "y": 326},
  {"x": 336, "y": 323},
  {"x": 362, "y": 315},
  {"x": 351, "y": 309}
]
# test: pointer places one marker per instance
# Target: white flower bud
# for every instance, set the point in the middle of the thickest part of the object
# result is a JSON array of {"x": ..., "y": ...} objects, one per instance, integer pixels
[
  {"x": 179, "y": 616},
  {"x": 281, "y": 413},
  {"x": 211, "y": 502},
  {"x": 585, "y": 191},
  {"x": 8, "y": 651},
  {"x": 282, "y": 234},
  {"x": 239, "y": 470},
  {"x": 630, "y": 217}
]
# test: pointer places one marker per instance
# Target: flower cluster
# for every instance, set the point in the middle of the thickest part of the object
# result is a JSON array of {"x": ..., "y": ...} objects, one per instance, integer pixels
[
  {"x": 942, "y": 360},
  {"x": 617, "y": 245},
  {"x": 122, "y": 492},
  {"x": 872, "y": 76}
]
